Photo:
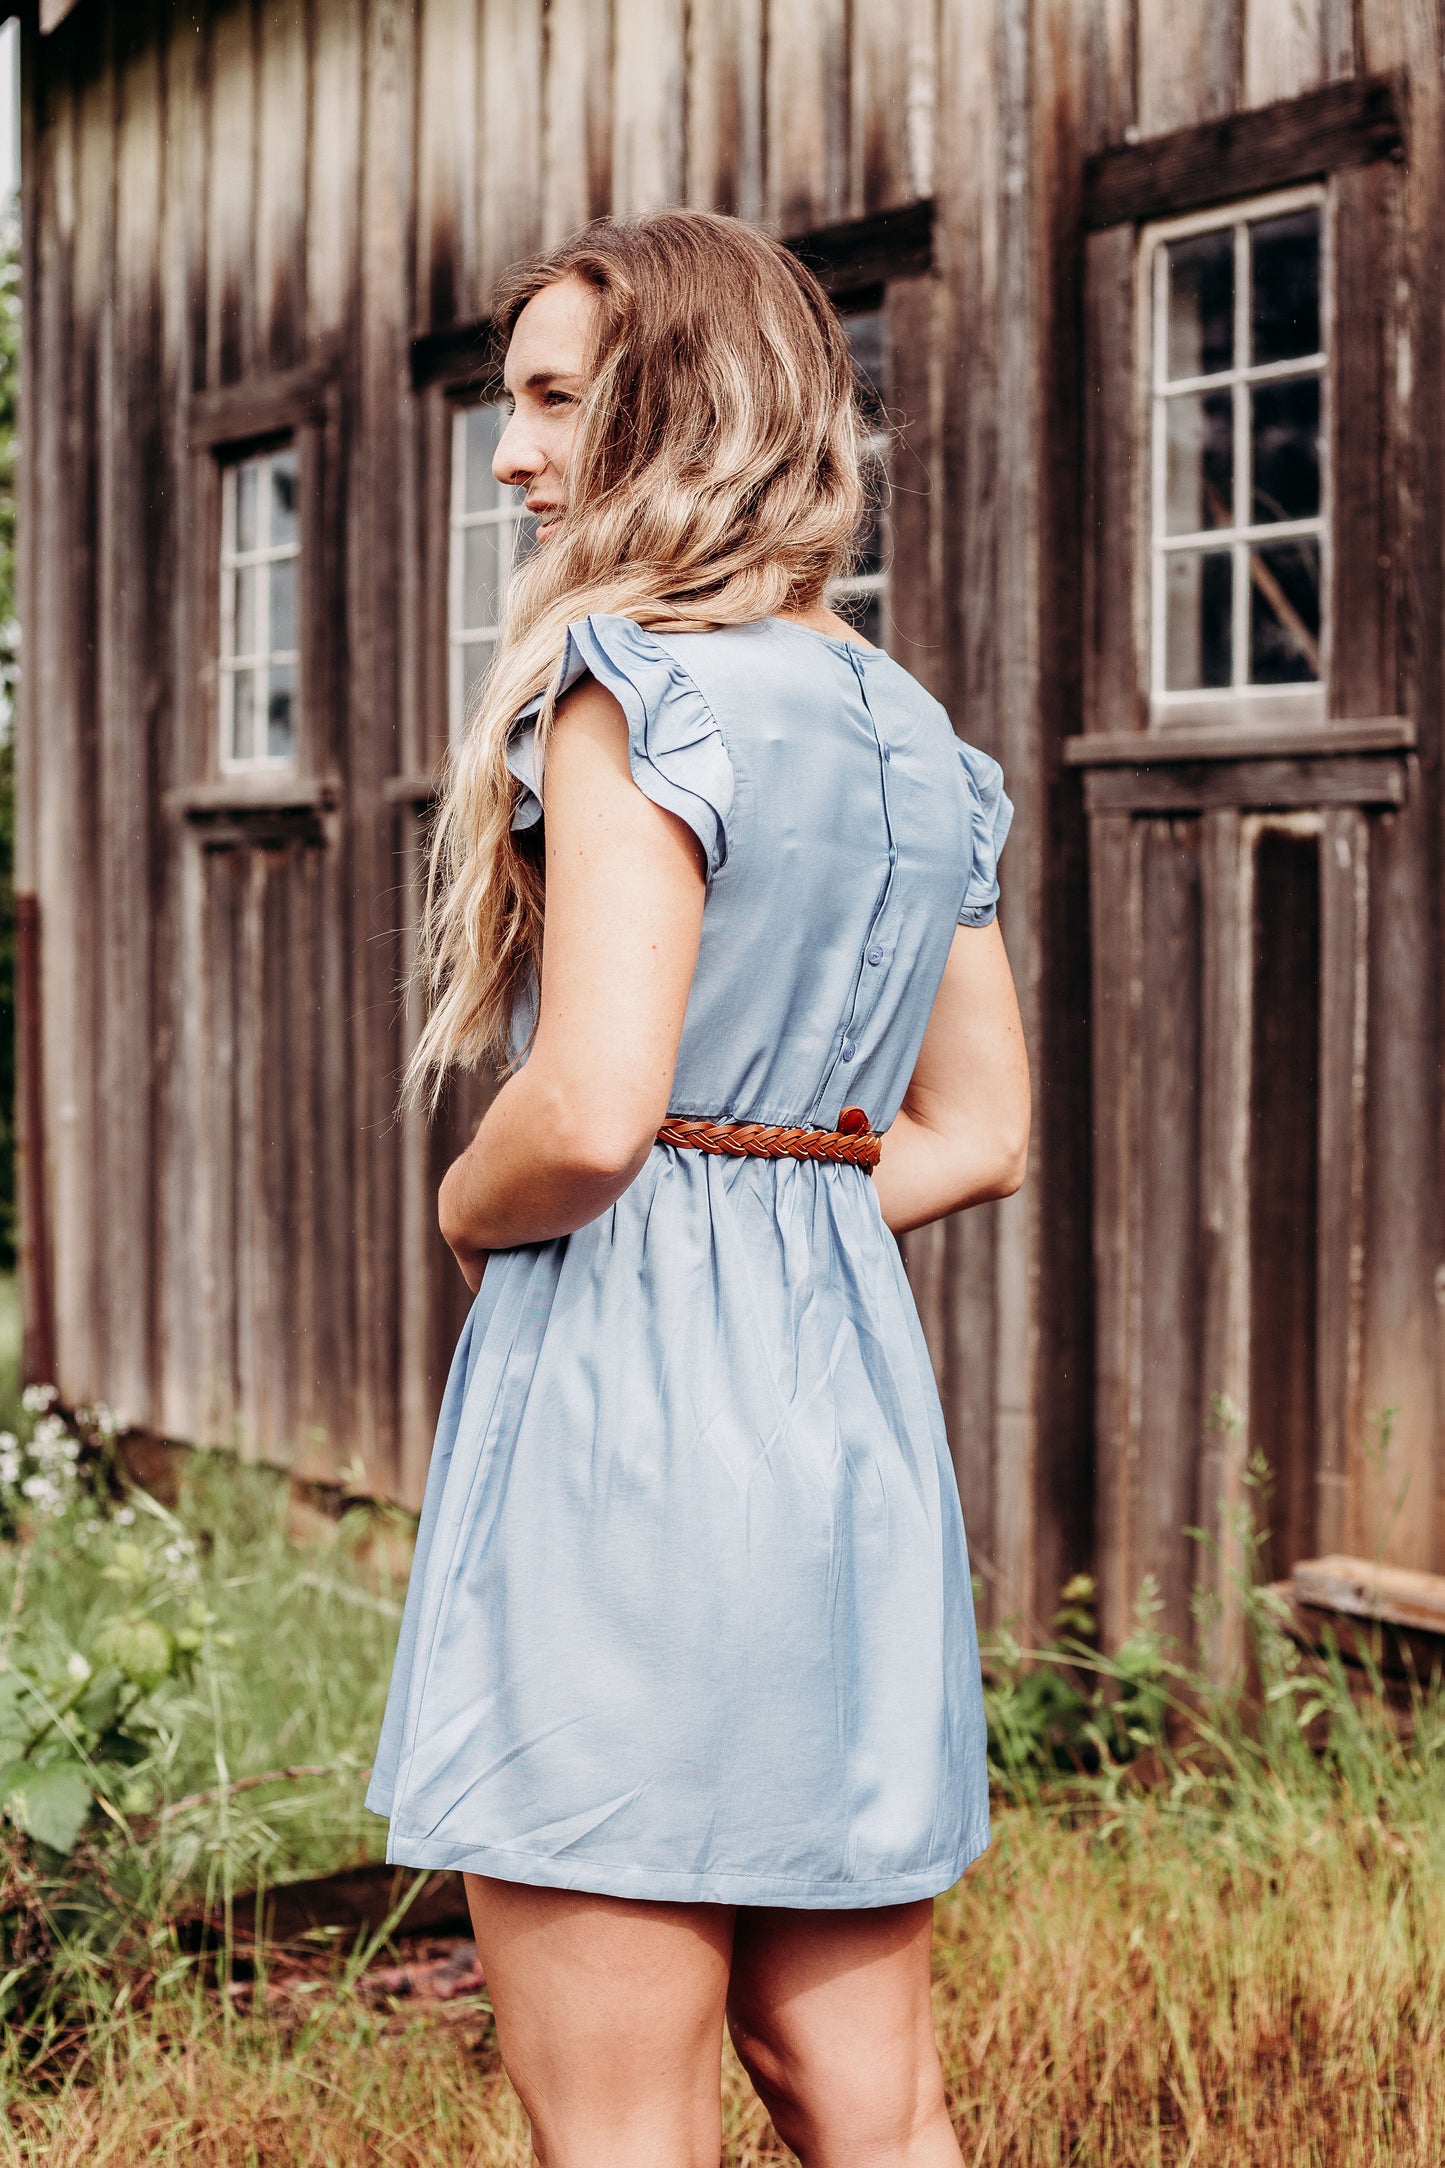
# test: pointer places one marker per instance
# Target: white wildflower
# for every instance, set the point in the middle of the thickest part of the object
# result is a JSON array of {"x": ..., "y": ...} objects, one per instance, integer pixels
[
  {"x": 124, "y": 1516},
  {"x": 78, "y": 1668},
  {"x": 43, "y": 1494},
  {"x": 37, "y": 1398}
]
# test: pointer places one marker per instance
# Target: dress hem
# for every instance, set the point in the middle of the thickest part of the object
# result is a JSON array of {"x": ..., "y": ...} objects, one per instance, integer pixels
[{"x": 666, "y": 1886}]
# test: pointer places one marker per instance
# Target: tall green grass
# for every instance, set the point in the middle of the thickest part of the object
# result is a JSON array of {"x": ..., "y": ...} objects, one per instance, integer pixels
[
  {"x": 1211, "y": 1929},
  {"x": 299, "y": 1644}
]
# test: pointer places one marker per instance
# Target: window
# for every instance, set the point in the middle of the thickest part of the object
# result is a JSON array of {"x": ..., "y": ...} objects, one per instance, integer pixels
[
  {"x": 490, "y": 533},
  {"x": 861, "y": 597},
  {"x": 260, "y": 593},
  {"x": 1239, "y": 498}
]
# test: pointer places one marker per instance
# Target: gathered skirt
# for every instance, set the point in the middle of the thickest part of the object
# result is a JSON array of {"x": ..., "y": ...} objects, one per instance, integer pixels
[{"x": 690, "y": 1615}]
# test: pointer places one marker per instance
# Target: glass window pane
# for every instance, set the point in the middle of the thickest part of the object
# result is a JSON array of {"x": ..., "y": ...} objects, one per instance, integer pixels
[
  {"x": 1201, "y": 303},
  {"x": 243, "y": 715},
  {"x": 245, "y": 593},
  {"x": 863, "y": 610},
  {"x": 283, "y": 605},
  {"x": 866, "y": 337},
  {"x": 247, "y": 475},
  {"x": 476, "y": 659},
  {"x": 524, "y": 535},
  {"x": 482, "y": 428},
  {"x": 872, "y": 554},
  {"x": 281, "y": 711},
  {"x": 1284, "y": 287},
  {"x": 1284, "y": 613},
  {"x": 285, "y": 497},
  {"x": 1286, "y": 432},
  {"x": 1198, "y": 618},
  {"x": 1199, "y": 462},
  {"x": 482, "y": 568}
]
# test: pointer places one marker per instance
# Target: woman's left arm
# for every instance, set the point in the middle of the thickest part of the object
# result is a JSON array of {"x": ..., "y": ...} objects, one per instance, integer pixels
[
  {"x": 571, "y": 1129},
  {"x": 962, "y": 1133}
]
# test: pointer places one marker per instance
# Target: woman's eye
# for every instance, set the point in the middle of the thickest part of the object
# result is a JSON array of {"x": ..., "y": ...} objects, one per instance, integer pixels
[{"x": 559, "y": 398}]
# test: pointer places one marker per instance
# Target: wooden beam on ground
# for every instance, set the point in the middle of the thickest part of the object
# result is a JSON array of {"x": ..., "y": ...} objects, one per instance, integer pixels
[{"x": 1364, "y": 1588}]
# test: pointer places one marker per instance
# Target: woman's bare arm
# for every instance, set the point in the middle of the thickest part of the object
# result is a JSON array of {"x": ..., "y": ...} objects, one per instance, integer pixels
[
  {"x": 566, "y": 1135},
  {"x": 962, "y": 1134}
]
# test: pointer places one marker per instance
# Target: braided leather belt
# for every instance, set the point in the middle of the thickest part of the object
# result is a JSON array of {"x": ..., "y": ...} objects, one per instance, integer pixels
[{"x": 852, "y": 1142}]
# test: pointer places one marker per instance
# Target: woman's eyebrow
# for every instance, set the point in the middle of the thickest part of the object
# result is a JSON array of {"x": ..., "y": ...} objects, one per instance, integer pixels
[{"x": 541, "y": 378}]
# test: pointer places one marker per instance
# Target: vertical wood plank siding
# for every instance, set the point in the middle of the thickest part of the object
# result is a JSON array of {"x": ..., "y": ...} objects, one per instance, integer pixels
[
  {"x": 282, "y": 118},
  {"x": 1189, "y": 60},
  {"x": 648, "y": 122},
  {"x": 1403, "y": 1346},
  {"x": 1167, "y": 1145},
  {"x": 231, "y": 235},
  {"x": 1192, "y": 1215},
  {"x": 725, "y": 107},
  {"x": 577, "y": 115},
  {"x": 510, "y": 135},
  {"x": 968, "y": 182},
  {"x": 808, "y": 84},
  {"x": 243, "y": 1236},
  {"x": 1285, "y": 51},
  {"x": 177, "y": 1402},
  {"x": 134, "y": 695}
]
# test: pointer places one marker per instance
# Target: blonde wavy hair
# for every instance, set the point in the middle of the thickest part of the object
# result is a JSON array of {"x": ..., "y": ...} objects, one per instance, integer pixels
[{"x": 715, "y": 479}]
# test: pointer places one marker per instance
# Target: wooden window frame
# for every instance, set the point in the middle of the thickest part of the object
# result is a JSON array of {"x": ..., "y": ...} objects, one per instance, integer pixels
[
  {"x": 513, "y": 517},
  {"x": 264, "y": 654},
  {"x": 1347, "y": 141},
  {"x": 300, "y": 407},
  {"x": 1242, "y": 701},
  {"x": 877, "y": 461},
  {"x": 451, "y": 369}
]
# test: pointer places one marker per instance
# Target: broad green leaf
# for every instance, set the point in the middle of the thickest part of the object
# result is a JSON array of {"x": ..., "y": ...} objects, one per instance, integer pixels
[
  {"x": 99, "y": 1705},
  {"x": 17, "y": 1710},
  {"x": 140, "y": 1647},
  {"x": 49, "y": 1803}
]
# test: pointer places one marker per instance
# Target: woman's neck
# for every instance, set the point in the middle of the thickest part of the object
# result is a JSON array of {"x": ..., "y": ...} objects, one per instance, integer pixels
[{"x": 819, "y": 618}]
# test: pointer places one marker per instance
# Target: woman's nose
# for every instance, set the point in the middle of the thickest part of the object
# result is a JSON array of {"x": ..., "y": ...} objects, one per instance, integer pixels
[{"x": 516, "y": 461}]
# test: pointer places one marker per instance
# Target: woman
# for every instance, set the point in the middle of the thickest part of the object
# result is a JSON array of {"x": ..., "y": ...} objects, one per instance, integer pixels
[{"x": 688, "y": 1684}]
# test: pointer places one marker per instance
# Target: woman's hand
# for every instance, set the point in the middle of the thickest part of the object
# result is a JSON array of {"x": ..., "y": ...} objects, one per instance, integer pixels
[
  {"x": 962, "y": 1134},
  {"x": 625, "y": 883}
]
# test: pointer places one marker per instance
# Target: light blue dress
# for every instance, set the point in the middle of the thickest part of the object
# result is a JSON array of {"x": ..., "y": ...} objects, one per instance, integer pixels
[{"x": 690, "y": 1616}]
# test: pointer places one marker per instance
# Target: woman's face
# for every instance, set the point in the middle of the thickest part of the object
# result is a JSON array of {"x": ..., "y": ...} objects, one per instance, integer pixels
[{"x": 544, "y": 377}]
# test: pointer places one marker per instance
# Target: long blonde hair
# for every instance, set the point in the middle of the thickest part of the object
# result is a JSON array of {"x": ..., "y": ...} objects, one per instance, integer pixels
[{"x": 715, "y": 480}]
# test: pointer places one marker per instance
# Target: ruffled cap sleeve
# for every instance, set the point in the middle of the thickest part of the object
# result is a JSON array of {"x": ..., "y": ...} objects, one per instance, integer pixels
[
  {"x": 991, "y": 813},
  {"x": 675, "y": 748}
]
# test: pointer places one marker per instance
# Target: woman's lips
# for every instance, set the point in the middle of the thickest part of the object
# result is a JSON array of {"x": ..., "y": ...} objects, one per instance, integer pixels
[{"x": 546, "y": 516}]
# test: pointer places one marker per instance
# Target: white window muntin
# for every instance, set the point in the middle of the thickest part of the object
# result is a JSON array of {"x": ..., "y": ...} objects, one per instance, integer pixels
[
  {"x": 261, "y": 660},
  {"x": 1302, "y": 700},
  {"x": 474, "y": 621},
  {"x": 858, "y": 588}
]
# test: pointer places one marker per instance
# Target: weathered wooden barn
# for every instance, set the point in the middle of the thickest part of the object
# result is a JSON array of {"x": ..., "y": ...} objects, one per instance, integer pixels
[{"x": 1151, "y": 293}]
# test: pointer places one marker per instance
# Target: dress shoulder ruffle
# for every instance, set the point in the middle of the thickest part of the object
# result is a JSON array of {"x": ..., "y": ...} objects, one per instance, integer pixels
[
  {"x": 675, "y": 745},
  {"x": 990, "y": 818}
]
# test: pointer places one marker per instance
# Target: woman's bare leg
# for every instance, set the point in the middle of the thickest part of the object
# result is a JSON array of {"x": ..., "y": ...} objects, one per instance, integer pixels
[
  {"x": 609, "y": 2020},
  {"x": 831, "y": 2013}
]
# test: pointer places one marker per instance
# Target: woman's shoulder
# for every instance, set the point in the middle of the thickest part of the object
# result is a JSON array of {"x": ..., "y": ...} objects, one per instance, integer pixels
[{"x": 676, "y": 748}]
